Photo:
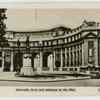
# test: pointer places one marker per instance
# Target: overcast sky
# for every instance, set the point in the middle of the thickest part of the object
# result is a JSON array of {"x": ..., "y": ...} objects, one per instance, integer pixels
[{"x": 26, "y": 20}]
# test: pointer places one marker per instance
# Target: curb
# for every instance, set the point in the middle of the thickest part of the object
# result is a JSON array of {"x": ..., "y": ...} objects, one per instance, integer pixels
[{"x": 45, "y": 80}]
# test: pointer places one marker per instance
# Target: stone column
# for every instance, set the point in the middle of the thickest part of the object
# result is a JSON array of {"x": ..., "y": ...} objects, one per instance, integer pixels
[
  {"x": 41, "y": 62},
  {"x": 73, "y": 56},
  {"x": 69, "y": 57},
  {"x": 96, "y": 52},
  {"x": 2, "y": 60},
  {"x": 11, "y": 68},
  {"x": 76, "y": 57},
  {"x": 85, "y": 48},
  {"x": 65, "y": 57},
  {"x": 79, "y": 56},
  {"x": 61, "y": 60},
  {"x": 54, "y": 59},
  {"x": 82, "y": 54}
]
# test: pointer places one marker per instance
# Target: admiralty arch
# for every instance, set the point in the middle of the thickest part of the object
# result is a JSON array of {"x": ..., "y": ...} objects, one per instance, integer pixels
[{"x": 59, "y": 50}]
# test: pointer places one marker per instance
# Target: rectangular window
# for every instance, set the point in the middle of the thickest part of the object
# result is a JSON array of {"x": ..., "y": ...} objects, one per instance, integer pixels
[
  {"x": 45, "y": 43},
  {"x": 55, "y": 42},
  {"x": 49, "y": 43},
  {"x": 36, "y": 43},
  {"x": 54, "y": 33},
  {"x": 65, "y": 40},
  {"x": 60, "y": 41}
]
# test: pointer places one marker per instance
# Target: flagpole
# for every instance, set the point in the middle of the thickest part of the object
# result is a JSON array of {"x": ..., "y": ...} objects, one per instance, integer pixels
[{"x": 36, "y": 18}]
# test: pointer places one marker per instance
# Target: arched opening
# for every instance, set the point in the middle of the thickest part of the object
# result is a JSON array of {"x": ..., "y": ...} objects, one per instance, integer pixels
[
  {"x": 50, "y": 61},
  {"x": 47, "y": 59},
  {"x": 18, "y": 61},
  {"x": 35, "y": 60}
]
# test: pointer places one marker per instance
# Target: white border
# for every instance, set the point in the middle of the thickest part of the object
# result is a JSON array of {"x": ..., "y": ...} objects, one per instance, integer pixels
[{"x": 50, "y": 98}]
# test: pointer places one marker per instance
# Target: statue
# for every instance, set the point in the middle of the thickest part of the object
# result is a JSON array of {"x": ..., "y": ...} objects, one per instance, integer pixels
[
  {"x": 18, "y": 43},
  {"x": 27, "y": 43}
]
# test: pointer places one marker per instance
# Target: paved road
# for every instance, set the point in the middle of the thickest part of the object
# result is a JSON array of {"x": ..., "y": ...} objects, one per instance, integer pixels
[{"x": 87, "y": 82}]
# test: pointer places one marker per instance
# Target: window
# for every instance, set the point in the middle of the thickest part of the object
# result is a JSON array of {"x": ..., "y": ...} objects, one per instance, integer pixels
[
  {"x": 55, "y": 42},
  {"x": 73, "y": 38},
  {"x": 49, "y": 42},
  {"x": 60, "y": 32},
  {"x": 60, "y": 41},
  {"x": 57, "y": 56},
  {"x": 31, "y": 44},
  {"x": 45, "y": 43},
  {"x": 65, "y": 40},
  {"x": 71, "y": 69},
  {"x": 36, "y": 43},
  {"x": 54, "y": 33},
  {"x": 69, "y": 39}
]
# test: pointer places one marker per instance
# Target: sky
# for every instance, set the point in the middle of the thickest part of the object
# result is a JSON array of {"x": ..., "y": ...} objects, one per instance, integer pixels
[{"x": 41, "y": 19}]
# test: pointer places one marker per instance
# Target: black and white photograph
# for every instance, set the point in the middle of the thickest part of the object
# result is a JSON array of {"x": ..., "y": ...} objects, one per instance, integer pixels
[{"x": 50, "y": 47}]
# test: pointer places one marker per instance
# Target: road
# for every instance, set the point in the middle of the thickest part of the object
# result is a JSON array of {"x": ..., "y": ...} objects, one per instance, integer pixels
[{"x": 87, "y": 82}]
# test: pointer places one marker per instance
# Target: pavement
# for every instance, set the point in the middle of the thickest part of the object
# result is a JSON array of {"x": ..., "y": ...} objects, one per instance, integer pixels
[{"x": 10, "y": 76}]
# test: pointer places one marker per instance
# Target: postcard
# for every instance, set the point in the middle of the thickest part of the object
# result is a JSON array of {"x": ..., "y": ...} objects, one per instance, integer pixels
[{"x": 49, "y": 49}]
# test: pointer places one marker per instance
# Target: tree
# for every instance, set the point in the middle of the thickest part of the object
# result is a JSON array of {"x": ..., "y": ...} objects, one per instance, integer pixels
[{"x": 3, "y": 40}]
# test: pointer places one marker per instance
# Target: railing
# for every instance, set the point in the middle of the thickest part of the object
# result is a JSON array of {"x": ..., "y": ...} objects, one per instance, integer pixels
[
  {"x": 45, "y": 68},
  {"x": 55, "y": 69},
  {"x": 64, "y": 69}
]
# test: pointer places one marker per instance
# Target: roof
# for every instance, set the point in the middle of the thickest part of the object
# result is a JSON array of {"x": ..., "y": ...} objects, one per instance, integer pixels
[{"x": 42, "y": 31}]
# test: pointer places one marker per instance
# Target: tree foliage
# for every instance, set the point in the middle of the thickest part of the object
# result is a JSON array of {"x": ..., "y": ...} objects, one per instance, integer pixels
[{"x": 3, "y": 40}]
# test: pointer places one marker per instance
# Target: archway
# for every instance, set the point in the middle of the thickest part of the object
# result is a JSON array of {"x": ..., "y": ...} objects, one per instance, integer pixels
[
  {"x": 47, "y": 59},
  {"x": 18, "y": 61},
  {"x": 35, "y": 60},
  {"x": 50, "y": 61}
]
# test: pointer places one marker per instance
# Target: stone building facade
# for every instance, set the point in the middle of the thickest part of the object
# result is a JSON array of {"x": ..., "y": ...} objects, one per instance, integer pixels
[{"x": 59, "y": 50}]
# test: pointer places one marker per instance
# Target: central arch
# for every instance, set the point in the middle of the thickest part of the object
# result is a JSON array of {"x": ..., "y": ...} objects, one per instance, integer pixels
[
  {"x": 47, "y": 59},
  {"x": 35, "y": 60},
  {"x": 18, "y": 61}
]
